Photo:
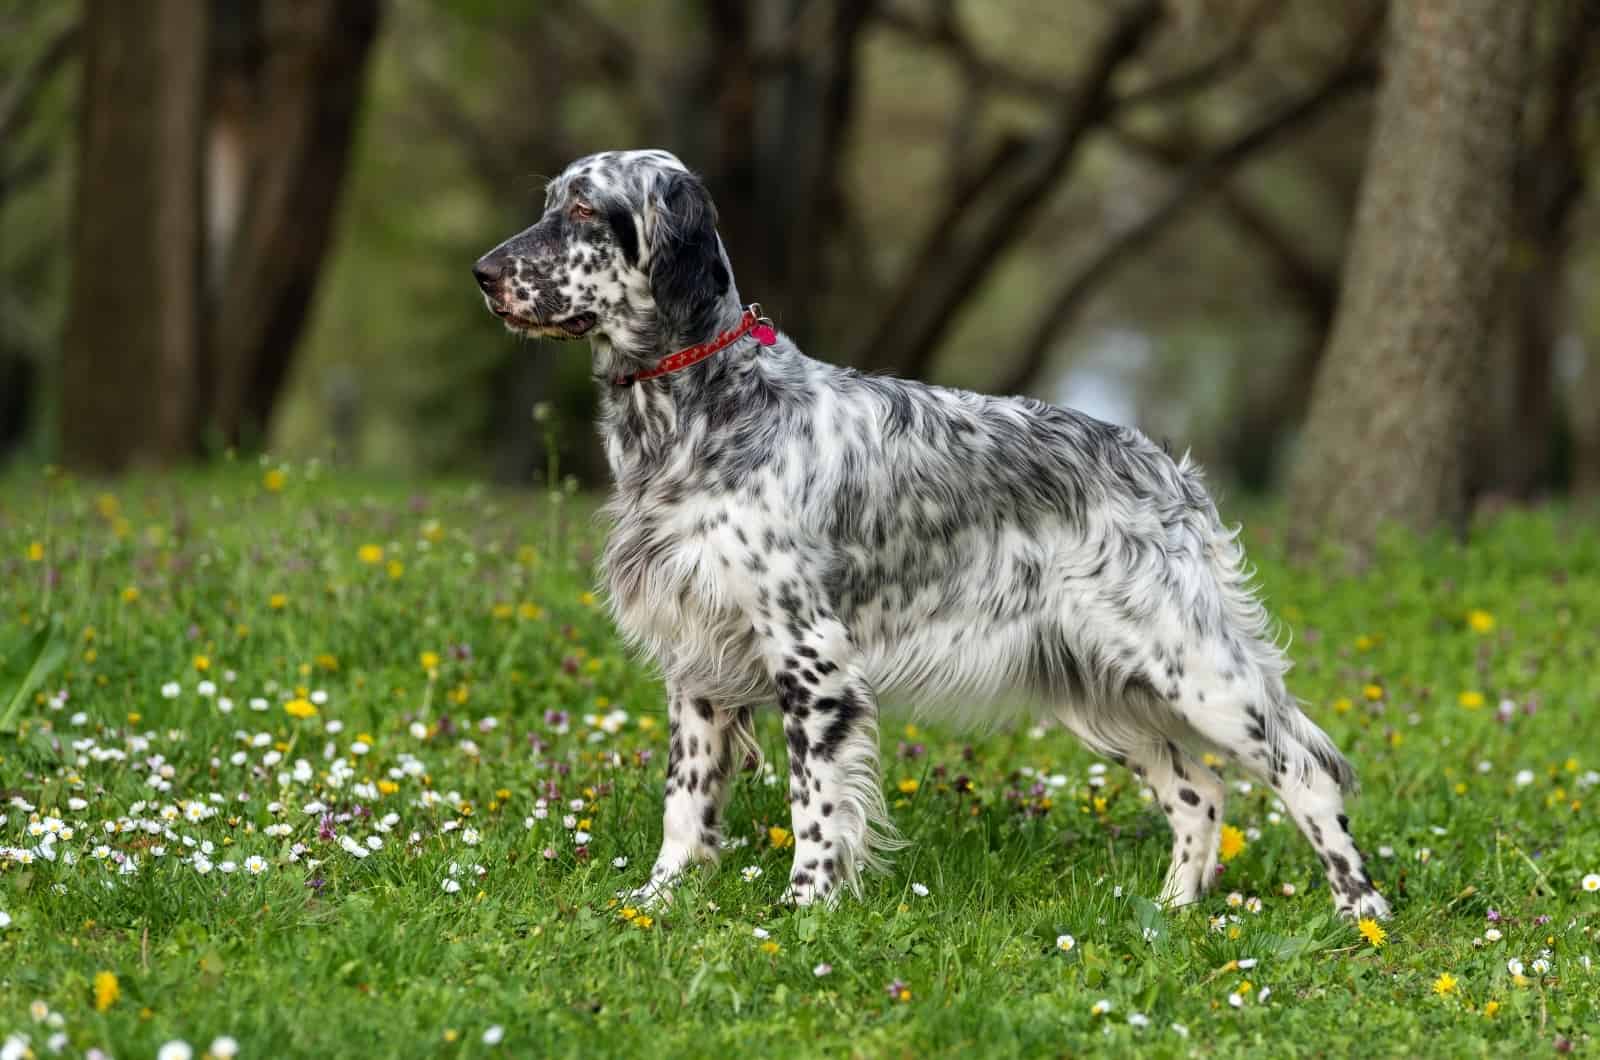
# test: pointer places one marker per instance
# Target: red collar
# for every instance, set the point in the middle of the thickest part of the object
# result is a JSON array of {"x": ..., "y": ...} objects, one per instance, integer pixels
[{"x": 752, "y": 323}]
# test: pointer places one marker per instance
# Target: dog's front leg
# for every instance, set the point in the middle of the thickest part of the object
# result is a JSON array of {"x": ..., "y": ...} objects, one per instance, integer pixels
[
  {"x": 830, "y": 718},
  {"x": 699, "y": 771}
]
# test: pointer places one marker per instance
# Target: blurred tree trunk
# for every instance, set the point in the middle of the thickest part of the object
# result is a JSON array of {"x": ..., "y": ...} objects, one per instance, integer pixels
[
  {"x": 1390, "y": 432},
  {"x": 776, "y": 145},
  {"x": 1516, "y": 452},
  {"x": 289, "y": 83},
  {"x": 132, "y": 334},
  {"x": 1586, "y": 424}
]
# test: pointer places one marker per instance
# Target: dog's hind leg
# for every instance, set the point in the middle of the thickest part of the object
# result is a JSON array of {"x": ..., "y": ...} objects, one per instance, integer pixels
[
  {"x": 1245, "y": 713},
  {"x": 702, "y": 741},
  {"x": 830, "y": 719},
  {"x": 1191, "y": 796}
]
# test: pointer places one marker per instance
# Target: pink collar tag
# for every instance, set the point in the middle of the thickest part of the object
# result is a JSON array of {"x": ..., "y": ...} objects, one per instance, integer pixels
[{"x": 765, "y": 333}]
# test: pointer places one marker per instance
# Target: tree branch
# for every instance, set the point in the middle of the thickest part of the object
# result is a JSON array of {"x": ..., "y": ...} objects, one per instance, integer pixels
[
  {"x": 16, "y": 104},
  {"x": 945, "y": 33},
  {"x": 1200, "y": 177},
  {"x": 947, "y": 268},
  {"x": 1310, "y": 284},
  {"x": 1208, "y": 71}
]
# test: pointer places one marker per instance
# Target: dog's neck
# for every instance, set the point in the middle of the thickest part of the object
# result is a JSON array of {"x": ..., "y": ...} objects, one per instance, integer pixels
[{"x": 643, "y": 423}]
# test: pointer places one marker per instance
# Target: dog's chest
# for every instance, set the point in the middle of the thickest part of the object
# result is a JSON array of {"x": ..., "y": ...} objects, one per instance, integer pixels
[{"x": 678, "y": 582}]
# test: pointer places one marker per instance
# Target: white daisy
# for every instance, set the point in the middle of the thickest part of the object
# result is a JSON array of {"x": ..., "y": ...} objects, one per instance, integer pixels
[
  {"x": 1065, "y": 943},
  {"x": 919, "y": 890},
  {"x": 494, "y": 1035},
  {"x": 751, "y": 873},
  {"x": 1591, "y": 882},
  {"x": 255, "y": 865},
  {"x": 1101, "y": 1007},
  {"x": 224, "y": 1048}
]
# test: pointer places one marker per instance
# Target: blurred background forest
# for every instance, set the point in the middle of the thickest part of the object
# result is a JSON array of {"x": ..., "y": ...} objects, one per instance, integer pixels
[{"x": 250, "y": 223}]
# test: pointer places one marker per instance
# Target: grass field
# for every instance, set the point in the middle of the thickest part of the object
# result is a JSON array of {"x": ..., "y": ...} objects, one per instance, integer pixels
[{"x": 332, "y": 767}]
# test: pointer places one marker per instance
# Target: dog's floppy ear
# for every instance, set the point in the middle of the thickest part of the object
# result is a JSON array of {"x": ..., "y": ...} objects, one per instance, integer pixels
[{"x": 687, "y": 275}]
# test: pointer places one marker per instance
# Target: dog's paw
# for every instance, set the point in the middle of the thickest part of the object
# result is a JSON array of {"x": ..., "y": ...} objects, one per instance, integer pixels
[
  {"x": 654, "y": 895},
  {"x": 1369, "y": 905}
]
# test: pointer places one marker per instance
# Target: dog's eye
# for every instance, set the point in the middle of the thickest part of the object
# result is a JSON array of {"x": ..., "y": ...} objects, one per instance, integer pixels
[{"x": 582, "y": 211}]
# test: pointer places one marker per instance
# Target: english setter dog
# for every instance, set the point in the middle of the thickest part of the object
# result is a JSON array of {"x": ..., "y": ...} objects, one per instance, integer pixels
[{"x": 786, "y": 529}]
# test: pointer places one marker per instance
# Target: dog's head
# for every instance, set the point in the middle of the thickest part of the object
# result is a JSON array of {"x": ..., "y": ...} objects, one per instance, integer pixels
[{"x": 626, "y": 253}]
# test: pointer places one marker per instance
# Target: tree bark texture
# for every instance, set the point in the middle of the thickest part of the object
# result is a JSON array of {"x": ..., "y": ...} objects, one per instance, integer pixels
[
  {"x": 311, "y": 76},
  {"x": 132, "y": 334},
  {"x": 1389, "y": 437}
]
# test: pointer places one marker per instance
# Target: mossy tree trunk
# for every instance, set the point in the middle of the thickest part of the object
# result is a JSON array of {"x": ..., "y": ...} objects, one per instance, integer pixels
[
  {"x": 132, "y": 337},
  {"x": 1389, "y": 438}
]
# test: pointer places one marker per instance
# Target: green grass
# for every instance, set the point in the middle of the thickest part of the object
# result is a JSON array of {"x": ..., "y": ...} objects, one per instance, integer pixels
[{"x": 147, "y": 580}]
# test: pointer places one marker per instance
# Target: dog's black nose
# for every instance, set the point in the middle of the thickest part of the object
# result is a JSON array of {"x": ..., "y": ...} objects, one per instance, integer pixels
[{"x": 489, "y": 271}]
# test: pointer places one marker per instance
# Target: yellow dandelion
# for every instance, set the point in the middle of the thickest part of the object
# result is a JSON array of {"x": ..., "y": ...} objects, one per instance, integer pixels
[
  {"x": 1373, "y": 932},
  {"x": 35, "y": 551},
  {"x": 779, "y": 837},
  {"x": 628, "y": 912},
  {"x": 643, "y": 922},
  {"x": 530, "y": 612},
  {"x": 429, "y": 660},
  {"x": 586, "y": 598},
  {"x": 130, "y": 594},
  {"x": 503, "y": 611},
  {"x": 273, "y": 480},
  {"x": 1233, "y": 842},
  {"x": 388, "y": 787},
  {"x": 909, "y": 786},
  {"x": 396, "y": 569},
  {"x": 278, "y": 601},
  {"x": 770, "y": 948},
  {"x": 1342, "y": 705},
  {"x": 1372, "y": 692},
  {"x": 1490, "y": 1008},
  {"x": 1470, "y": 700},
  {"x": 1445, "y": 984},
  {"x": 106, "y": 990},
  {"x": 328, "y": 661},
  {"x": 202, "y": 663},
  {"x": 299, "y": 708},
  {"x": 1480, "y": 620},
  {"x": 1364, "y": 643},
  {"x": 372, "y": 555}
]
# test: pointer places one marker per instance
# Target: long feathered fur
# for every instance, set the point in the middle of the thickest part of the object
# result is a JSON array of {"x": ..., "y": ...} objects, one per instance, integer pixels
[{"x": 785, "y": 529}]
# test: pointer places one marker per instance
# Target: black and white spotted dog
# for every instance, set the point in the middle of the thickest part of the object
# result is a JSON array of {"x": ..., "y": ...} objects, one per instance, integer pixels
[{"x": 786, "y": 529}]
